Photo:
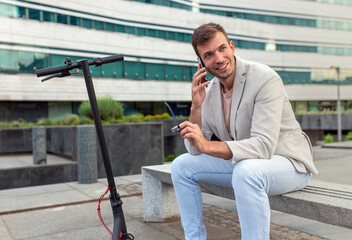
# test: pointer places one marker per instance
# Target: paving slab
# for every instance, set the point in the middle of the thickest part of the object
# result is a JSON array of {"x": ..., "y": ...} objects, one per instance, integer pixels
[
  {"x": 320, "y": 153},
  {"x": 4, "y": 234},
  {"x": 341, "y": 145},
  {"x": 20, "y": 201},
  {"x": 24, "y": 159},
  {"x": 46, "y": 219},
  {"x": 338, "y": 170}
]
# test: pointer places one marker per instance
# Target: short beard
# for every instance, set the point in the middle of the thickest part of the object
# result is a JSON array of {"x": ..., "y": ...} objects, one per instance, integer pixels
[{"x": 222, "y": 77}]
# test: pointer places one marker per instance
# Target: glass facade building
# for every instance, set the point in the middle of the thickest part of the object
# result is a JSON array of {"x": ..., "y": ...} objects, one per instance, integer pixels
[{"x": 154, "y": 36}]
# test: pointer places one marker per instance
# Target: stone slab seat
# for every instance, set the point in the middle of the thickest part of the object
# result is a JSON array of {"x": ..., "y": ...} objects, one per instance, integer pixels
[{"x": 322, "y": 201}]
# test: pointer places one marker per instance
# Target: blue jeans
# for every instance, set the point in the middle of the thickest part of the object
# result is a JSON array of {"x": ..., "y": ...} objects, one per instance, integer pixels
[{"x": 253, "y": 180}]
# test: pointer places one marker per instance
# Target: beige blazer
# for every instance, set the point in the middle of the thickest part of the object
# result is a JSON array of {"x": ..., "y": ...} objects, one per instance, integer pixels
[{"x": 262, "y": 121}]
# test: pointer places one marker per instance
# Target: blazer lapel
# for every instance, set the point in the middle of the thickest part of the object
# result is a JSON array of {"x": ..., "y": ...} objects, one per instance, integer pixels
[{"x": 238, "y": 88}]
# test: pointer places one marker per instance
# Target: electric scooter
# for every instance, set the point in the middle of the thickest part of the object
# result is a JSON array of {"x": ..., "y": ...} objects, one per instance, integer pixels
[{"x": 119, "y": 229}]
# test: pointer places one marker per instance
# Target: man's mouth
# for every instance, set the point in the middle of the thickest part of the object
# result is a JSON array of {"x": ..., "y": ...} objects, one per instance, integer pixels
[{"x": 223, "y": 66}]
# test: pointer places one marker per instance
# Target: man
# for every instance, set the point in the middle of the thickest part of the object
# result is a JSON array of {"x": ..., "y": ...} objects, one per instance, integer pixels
[{"x": 261, "y": 149}]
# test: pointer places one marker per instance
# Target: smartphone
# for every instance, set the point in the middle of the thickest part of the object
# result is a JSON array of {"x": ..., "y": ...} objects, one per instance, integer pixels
[{"x": 202, "y": 65}]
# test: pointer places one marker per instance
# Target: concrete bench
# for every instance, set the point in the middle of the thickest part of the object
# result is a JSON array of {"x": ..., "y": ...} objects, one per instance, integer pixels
[{"x": 322, "y": 201}]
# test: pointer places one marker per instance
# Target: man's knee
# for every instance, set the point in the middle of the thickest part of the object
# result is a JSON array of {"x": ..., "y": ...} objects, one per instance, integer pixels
[
  {"x": 247, "y": 172},
  {"x": 180, "y": 164}
]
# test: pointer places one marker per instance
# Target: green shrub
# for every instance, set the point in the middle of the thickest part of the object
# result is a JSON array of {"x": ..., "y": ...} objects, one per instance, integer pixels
[
  {"x": 84, "y": 121},
  {"x": 136, "y": 118},
  {"x": 44, "y": 122},
  {"x": 71, "y": 119},
  {"x": 169, "y": 158},
  {"x": 348, "y": 136},
  {"x": 328, "y": 138},
  {"x": 109, "y": 109}
]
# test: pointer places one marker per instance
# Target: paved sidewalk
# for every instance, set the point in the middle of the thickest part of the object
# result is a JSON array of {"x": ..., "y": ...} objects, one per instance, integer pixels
[{"x": 69, "y": 210}]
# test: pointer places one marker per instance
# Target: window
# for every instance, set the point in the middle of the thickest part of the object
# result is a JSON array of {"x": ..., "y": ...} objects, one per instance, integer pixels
[
  {"x": 161, "y": 34},
  {"x": 174, "y": 72},
  {"x": 113, "y": 70},
  {"x": 22, "y": 12},
  {"x": 95, "y": 71},
  {"x": 86, "y": 23},
  {"x": 134, "y": 70},
  {"x": 58, "y": 60},
  {"x": 8, "y": 61},
  {"x": 62, "y": 18},
  {"x": 110, "y": 27},
  {"x": 49, "y": 17},
  {"x": 180, "y": 37},
  {"x": 301, "y": 107},
  {"x": 130, "y": 30},
  {"x": 151, "y": 32},
  {"x": 313, "y": 106},
  {"x": 75, "y": 21},
  {"x": 33, "y": 14},
  {"x": 98, "y": 25},
  {"x": 171, "y": 36},
  {"x": 141, "y": 32},
  {"x": 26, "y": 62},
  {"x": 188, "y": 73},
  {"x": 119, "y": 28},
  {"x": 41, "y": 60},
  {"x": 155, "y": 71},
  {"x": 188, "y": 37},
  {"x": 6, "y": 10}
]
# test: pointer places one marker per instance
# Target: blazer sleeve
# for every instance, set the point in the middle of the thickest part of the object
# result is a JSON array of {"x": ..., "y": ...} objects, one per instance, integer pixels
[{"x": 265, "y": 126}]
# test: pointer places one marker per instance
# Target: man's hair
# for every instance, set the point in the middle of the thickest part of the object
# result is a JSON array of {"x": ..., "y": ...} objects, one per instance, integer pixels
[{"x": 204, "y": 33}]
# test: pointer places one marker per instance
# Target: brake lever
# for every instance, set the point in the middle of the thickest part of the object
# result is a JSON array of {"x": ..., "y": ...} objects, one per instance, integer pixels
[{"x": 63, "y": 74}]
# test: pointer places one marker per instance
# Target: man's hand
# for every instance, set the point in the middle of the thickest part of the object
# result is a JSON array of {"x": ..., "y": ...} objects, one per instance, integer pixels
[
  {"x": 198, "y": 87},
  {"x": 194, "y": 135},
  {"x": 198, "y": 96}
]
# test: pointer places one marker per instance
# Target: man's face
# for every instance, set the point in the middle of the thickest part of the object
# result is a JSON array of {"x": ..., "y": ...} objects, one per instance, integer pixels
[{"x": 218, "y": 57}]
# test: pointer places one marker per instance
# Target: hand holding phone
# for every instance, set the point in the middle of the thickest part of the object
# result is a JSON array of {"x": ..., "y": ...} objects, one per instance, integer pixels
[{"x": 202, "y": 66}]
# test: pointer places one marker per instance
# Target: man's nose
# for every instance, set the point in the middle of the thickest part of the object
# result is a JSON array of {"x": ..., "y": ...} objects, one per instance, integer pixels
[{"x": 218, "y": 57}]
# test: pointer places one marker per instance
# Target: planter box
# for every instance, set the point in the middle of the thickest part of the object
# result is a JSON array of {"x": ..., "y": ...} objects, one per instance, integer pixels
[
  {"x": 61, "y": 140},
  {"x": 324, "y": 121},
  {"x": 37, "y": 175},
  {"x": 131, "y": 146},
  {"x": 15, "y": 140}
]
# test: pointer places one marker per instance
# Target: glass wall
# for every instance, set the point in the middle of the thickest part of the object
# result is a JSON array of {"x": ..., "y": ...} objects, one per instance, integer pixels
[
  {"x": 27, "y": 62},
  {"x": 304, "y": 22},
  {"x": 336, "y": 2},
  {"x": 328, "y": 106}
]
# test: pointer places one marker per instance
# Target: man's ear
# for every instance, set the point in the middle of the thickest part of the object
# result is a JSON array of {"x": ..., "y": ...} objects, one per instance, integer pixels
[{"x": 232, "y": 46}]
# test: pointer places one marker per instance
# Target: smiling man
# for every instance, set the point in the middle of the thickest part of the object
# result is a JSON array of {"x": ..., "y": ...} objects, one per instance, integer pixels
[{"x": 260, "y": 148}]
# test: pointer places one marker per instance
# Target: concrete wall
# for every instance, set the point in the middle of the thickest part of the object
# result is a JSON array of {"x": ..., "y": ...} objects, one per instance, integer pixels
[
  {"x": 62, "y": 141},
  {"x": 324, "y": 121},
  {"x": 37, "y": 175},
  {"x": 132, "y": 146},
  {"x": 15, "y": 140}
]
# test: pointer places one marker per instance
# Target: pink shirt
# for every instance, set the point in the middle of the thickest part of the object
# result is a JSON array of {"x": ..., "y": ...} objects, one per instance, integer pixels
[{"x": 226, "y": 107}]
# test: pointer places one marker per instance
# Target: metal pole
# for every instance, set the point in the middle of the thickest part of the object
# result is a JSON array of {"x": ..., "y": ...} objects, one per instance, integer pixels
[{"x": 339, "y": 130}]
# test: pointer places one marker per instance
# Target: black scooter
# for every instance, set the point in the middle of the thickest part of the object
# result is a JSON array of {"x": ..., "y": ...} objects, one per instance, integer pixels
[{"x": 119, "y": 230}]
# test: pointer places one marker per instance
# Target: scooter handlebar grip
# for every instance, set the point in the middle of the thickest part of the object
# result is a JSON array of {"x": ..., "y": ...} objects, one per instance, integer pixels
[
  {"x": 110, "y": 59},
  {"x": 49, "y": 71}
]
